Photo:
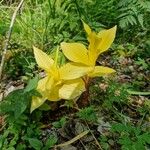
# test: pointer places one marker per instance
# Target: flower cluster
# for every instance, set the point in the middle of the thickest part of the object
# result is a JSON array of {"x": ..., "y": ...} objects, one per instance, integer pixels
[{"x": 68, "y": 81}]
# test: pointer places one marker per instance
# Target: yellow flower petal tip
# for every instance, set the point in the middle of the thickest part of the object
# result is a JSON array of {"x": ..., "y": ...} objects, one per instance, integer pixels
[
  {"x": 36, "y": 102},
  {"x": 86, "y": 28},
  {"x": 43, "y": 60},
  {"x": 101, "y": 71},
  {"x": 107, "y": 37}
]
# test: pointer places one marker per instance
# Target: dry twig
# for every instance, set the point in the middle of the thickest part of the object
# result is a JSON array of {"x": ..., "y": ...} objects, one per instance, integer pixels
[{"x": 8, "y": 37}]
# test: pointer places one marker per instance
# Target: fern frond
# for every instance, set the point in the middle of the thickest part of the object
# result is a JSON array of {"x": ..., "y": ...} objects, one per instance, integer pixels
[{"x": 132, "y": 12}]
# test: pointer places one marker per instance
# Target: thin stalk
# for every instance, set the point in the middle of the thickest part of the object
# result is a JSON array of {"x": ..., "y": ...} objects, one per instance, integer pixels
[
  {"x": 9, "y": 36},
  {"x": 84, "y": 100}
]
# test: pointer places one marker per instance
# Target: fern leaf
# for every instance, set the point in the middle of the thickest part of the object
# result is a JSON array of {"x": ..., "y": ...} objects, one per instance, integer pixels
[{"x": 141, "y": 20}]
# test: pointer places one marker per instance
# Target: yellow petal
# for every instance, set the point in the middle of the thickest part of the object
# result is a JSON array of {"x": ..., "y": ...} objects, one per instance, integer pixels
[
  {"x": 108, "y": 37},
  {"x": 75, "y": 52},
  {"x": 73, "y": 71},
  {"x": 53, "y": 95},
  {"x": 86, "y": 28},
  {"x": 42, "y": 84},
  {"x": 94, "y": 41},
  {"x": 72, "y": 89},
  {"x": 101, "y": 71},
  {"x": 36, "y": 102},
  {"x": 43, "y": 60},
  {"x": 49, "y": 83},
  {"x": 41, "y": 88},
  {"x": 45, "y": 85}
]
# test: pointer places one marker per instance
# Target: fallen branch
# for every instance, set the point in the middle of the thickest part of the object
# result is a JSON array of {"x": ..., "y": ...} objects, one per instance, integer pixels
[
  {"x": 8, "y": 37},
  {"x": 73, "y": 140}
]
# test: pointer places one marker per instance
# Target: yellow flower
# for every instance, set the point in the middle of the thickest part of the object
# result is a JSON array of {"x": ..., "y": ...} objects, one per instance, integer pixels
[
  {"x": 98, "y": 43},
  {"x": 60, "y": 82}
]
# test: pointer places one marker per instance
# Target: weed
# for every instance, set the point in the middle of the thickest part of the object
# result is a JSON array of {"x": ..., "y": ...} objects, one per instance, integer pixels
[
  {"x": 131, "y": 137},
  {"x": 87, "y": 114}
]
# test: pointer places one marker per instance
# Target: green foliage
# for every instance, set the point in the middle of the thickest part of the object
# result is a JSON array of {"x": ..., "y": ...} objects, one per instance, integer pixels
[
  {"x": 45, "y": 24},
  {"x": 35, "y": 143},
  {"x": 87, "y": 114},
  {"x": 21, "y": 63},
  {"x": 131, "y": 137},
  {"x": 103, "y": 141},
  {"x": 124, "y": 50},
  {"x": 32, "y": 84},
  {"x": 132, "y": 12},
  {"x": 60, "y": 123},
  {"x": 51, "y": 141},
  {"x": 56, "y": 20},
  {"x": 16, "y": 103},
  {"x": 17, "y": 136},
  {"x": 116, "y": 94},
  {"x": 99, "y": 13},
  {"x": 142, "y": 63},
  {"x": 9, "y": 144}
]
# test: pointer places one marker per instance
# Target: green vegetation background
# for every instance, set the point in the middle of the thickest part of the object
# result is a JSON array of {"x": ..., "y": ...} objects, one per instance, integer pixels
[{"x": 118, "y": 121}]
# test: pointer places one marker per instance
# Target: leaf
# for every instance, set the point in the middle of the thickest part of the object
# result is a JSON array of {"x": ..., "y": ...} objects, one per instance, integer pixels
[
  {"x": 19, "y": 107},
  {"x": 87, "y": 114},
  {"x": 35, "y": 143},
  {"x": 60, "y": 123},
  {"x": 131, "y": 19},
  {"x": 118, "y": 127},
  {"x": 1, "y": 141},
  {"x": 144, "y": 138},
  {"x": 141, "y": 19},
  {"x": 138, "y": 146},
  {"x": 21, "y": 147},
  {"x": 51, "y": 141},
  {"x": 45, "y": 107},
  {"x": 15, "y": 103},
  {"x": 32, "y": 84}
]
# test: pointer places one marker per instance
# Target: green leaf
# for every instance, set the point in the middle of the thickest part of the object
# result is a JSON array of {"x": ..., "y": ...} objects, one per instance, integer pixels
[
  {"x": 87, "y": 114},
  {"x": 51, "y": 141},
  {"x": 35, "y": 143},
  {"x": 15, "y": 103},
  {"x": 11, "y": 148},
  {"x": 60, "y": 123},
  {"x": 32, "y": 84},
  {"x": 45, "y": 107},
  {"x": 118, "y": 127},
  {"x": 144, "y": 138},
  {"x": 21, "y": 147},
  {"x": 1, "y": 141},
  {"x": 138, "y": 146},
  {"x": 141, "y": 19}
]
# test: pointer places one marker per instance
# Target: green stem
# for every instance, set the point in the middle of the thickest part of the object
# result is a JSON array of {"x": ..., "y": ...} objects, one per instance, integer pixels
[{"x": 138, "y": 93}]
